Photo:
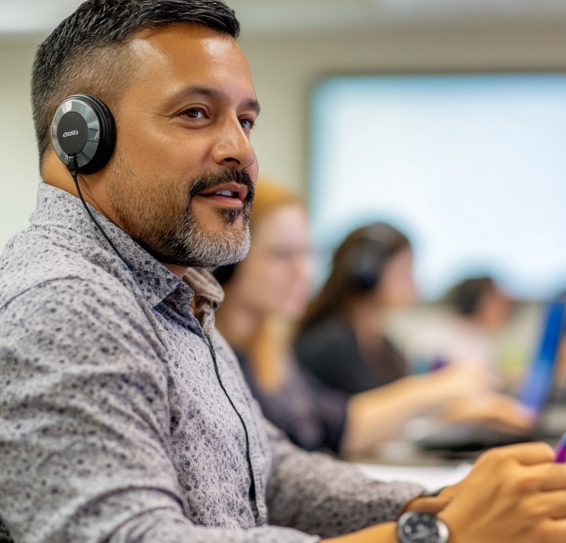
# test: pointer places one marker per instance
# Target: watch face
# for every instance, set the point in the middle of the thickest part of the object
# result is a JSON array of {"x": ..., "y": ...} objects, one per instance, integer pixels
[{"x": 419, "y": 528}]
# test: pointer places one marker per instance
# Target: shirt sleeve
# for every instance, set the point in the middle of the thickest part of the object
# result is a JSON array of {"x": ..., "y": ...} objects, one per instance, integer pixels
[
  {"x": 331, "y": 407},
  {"x": 317, "y": 494},
  {"x": 84, "y": 425}
]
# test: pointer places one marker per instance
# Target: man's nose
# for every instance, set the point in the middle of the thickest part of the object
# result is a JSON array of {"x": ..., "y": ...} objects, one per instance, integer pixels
[{"x": 233, "y": 149}]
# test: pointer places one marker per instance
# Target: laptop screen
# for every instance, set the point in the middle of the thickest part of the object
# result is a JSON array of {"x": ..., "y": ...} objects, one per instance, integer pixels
[{"x": 538, "y": 381}]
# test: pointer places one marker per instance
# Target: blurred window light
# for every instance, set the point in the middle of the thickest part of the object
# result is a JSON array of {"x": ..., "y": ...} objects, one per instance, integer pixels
[
  {"x": 471, "y": 166},
  {"x": 15, "y": 19},
  {"x": 445, "y": 9},
  {"x": 452, "y": 5},
  {"x": 21, "y": 16}
]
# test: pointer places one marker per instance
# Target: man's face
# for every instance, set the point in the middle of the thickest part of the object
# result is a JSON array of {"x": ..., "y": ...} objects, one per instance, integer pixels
[{"x": 182, "y": 177}]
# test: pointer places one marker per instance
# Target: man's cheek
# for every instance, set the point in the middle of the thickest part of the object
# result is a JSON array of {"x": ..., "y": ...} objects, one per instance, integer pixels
[{"x": 253, "y": 171}]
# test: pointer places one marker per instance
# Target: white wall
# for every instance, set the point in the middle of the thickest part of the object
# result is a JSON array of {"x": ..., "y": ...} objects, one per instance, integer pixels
[
  {"x": 285, "y": 68},
  {"x": 18, "y": 156}
]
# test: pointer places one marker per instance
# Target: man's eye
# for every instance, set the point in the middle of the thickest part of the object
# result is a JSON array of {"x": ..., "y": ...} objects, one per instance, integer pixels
[
  {"x": 247, "y": 124},
  {"x": 193, "y": 113}
]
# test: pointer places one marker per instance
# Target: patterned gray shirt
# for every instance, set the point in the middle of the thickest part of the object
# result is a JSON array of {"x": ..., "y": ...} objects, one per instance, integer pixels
[{"x": 113, "y": 424}]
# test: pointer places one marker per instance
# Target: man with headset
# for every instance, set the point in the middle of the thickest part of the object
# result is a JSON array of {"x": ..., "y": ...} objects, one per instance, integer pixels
[{"x": 123, "y": 416}]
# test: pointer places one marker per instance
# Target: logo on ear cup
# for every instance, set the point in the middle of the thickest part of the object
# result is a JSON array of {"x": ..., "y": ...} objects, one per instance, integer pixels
[{"x": 72, "y": 132}]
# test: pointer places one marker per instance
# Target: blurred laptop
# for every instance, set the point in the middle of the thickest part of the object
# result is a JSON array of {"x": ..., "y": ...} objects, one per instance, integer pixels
[{"x": 534, "y": 392}]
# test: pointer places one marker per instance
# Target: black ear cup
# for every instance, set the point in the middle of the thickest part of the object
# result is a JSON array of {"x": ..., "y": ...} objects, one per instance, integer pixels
[
  {"x": 84, "y": 127},
  {"x": 367, "y": 257},
  {"x": 365, "y": 264}
]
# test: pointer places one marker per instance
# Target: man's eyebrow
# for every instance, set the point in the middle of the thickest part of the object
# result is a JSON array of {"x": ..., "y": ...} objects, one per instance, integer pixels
[{"x": 252, "y": 103}]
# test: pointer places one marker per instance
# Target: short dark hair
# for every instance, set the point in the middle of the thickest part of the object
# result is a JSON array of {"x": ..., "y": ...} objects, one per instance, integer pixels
[
  {"x": 82, "y": 55},
  {"x": 466, "y": 296}
]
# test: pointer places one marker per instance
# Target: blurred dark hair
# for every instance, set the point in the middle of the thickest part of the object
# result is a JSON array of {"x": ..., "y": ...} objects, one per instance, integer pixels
[
  {"x": 466, "y": 296},
  {"x": 223, "y": 274},
  {"x": 341, "y": 287},
  {"x": 83, "y": 54}
]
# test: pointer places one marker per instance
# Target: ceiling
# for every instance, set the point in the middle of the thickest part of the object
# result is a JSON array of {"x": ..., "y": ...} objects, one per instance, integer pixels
[{"x": 285, "y": 16}]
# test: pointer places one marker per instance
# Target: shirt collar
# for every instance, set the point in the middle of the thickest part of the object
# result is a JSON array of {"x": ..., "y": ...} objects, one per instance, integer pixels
[{"x": 60, "y": 209}]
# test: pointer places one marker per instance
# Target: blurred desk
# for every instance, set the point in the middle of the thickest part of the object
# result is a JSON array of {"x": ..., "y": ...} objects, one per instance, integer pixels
[
  {"x": 431, "y": 477},
  {"x": 406, "y": 453},
  {"x": 402, "y": 461}
]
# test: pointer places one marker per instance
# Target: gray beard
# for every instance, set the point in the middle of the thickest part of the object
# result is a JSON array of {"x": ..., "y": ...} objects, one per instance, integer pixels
[
  {"x": 173, "y": 236},
  {"x": 203, "y": 250}
]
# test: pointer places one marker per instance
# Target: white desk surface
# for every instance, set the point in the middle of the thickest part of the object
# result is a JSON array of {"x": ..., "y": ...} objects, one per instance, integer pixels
[{"x": 431, "y": 477}]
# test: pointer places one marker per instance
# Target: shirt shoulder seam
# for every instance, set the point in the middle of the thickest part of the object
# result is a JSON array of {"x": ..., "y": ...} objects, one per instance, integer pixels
[{"x": 39, "y": 285}]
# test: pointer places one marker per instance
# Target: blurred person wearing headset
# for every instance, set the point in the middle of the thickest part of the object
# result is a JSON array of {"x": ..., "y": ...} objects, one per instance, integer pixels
[
  {"x": 481, "y": 300},
  {"x": 341, "y": 338},
  {"x": 266, "y": 294},
  {"x": 466, "y": 326}
]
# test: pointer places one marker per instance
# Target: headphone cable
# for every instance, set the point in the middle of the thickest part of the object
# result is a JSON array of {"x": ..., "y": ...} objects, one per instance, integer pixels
[{"x": 73, "y": 169}]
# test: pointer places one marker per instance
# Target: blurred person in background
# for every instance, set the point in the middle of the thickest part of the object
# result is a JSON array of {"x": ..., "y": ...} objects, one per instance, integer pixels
[
  {"x": 265, "y": 295},
  {"x": 482, "y": 301},
  {"x": 341, "y": 338},
  {"x": 476, "y": 312}
]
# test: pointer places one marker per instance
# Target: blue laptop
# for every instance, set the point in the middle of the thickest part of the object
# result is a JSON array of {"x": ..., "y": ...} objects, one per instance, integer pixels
[{"x": 534, "y": 392}]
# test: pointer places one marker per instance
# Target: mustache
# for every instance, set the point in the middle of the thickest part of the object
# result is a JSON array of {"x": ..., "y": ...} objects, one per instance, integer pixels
[{"x": 209, "y": 181}]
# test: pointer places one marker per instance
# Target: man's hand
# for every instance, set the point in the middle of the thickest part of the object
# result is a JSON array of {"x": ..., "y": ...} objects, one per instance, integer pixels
[{"x": 514, "y": 494}]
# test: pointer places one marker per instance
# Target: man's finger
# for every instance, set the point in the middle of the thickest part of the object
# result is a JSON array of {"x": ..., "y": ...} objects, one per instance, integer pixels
[
  {"x": 555, "y": 531},
  {"x": 524, "y": 453},
  {"x": 550, "y": 476},
  {"x": 555, "y": 502}
]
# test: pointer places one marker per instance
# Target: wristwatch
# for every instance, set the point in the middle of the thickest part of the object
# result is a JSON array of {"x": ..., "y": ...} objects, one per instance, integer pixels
[{"x": 418, "y": 527}]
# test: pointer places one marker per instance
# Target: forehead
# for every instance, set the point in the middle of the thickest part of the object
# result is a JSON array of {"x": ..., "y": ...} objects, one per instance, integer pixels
[{"x": 179, "y": 55}]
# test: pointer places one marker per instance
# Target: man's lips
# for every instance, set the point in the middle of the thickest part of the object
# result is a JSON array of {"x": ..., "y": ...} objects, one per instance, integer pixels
[{"x": 227, "y": 193}]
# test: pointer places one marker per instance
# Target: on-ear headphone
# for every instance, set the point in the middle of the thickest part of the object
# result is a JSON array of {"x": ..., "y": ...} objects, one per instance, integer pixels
[
  {"x": 83, "y": 133},
  {"x": 366, "y": 259},
  {"x": 365, "y": 264},
  {"x": 83, "y": 127}
]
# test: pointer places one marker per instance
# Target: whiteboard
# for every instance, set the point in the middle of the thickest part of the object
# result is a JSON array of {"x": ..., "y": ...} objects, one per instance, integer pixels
[{"x": 471, "y": 166}]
